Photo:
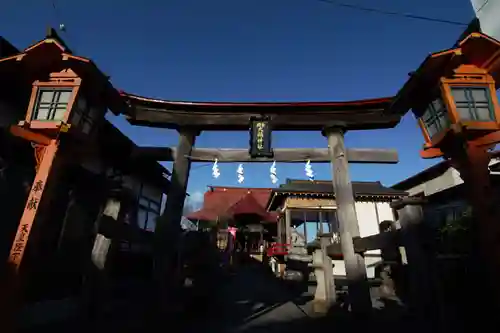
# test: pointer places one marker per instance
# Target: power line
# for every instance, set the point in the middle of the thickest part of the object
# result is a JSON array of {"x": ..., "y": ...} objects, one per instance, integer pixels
[
  {"x": 58, "y": 18},
  {"x": 482, "y": 6},
  {"x": 392, "y": 13}
]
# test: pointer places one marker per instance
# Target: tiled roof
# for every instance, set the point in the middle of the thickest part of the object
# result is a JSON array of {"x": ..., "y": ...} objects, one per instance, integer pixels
[
  {"x": 323, "y": 186},
  {"x": 423, "y": 176},
  {"x": 217, "y": 201},
  {"x": 118, "y": 148},
  {"x": 6, "y": 48},
  {"x": 248, "y": 205},
  {"x": 433, "y": 172}
]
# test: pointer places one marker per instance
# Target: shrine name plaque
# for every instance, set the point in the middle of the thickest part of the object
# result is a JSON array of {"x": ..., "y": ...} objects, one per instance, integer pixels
[{"x": 260, "y": 138}]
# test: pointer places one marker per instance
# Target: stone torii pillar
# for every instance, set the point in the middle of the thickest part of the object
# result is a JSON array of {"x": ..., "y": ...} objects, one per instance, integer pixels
[{"x": 359, "y": 292}]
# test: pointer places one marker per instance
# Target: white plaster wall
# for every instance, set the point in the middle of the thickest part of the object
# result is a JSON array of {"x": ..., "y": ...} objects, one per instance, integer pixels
[
  {"x": 338, "y": 268},
  {"x": 492, "y": 162},
  {"x": 488, "y": 11},
  {"x": 369, "y": 214},
  {"x": 384, "y": 212}
]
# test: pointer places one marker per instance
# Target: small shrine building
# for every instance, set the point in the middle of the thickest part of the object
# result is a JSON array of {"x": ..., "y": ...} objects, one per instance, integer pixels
[{"x": 302, "y": 202}]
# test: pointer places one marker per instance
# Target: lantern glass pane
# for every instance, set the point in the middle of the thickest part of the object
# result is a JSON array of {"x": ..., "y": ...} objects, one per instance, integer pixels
[
  {"x": 51, "y": 104},
  {"x": 435, "y": 117},
  {"x": 473, "y": 103}
]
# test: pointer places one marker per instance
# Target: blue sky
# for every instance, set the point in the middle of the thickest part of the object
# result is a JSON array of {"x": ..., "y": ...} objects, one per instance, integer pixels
[{"x": 253, "y": 50}]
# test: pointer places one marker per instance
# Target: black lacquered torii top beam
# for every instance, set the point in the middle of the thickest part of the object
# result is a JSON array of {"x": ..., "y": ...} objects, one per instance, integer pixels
[{"x": 305, "y": 116}]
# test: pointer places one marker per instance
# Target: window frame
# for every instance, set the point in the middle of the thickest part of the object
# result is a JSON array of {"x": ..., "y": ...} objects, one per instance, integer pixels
[
  {"x": 53, "y": 106},
  {"x": 85, "y": 116},
  {"x": 473, "y": 77},
  {"x": 73, "y": 84},
  {"x": 472, "y": 104},
  {"x": 434, "y": 117},
  {"x": 327, "y": 217},
  {"x": 147, "y": 206}
]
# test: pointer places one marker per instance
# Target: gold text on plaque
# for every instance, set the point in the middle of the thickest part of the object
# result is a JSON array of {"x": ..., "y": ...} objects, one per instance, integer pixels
[{"x": 260, "y": 135}]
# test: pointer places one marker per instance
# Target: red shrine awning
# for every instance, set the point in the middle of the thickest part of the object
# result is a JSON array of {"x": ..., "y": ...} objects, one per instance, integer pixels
[
  {"x": 204, "y": 214},
  {"x": 247, "y": 206},
  {"x": 227, "y": 202}
]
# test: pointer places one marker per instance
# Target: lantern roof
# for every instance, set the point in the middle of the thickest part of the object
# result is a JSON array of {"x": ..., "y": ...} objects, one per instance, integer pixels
[
  {"x": 51, "y": 55},
  {"x": 476, "y": 49}
]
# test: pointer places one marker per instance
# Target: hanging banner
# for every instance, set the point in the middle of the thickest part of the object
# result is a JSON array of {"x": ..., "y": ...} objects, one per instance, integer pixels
[{"x": 260, "y": 138}]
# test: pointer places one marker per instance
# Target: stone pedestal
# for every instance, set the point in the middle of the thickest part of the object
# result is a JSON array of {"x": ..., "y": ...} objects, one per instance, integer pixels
[{"x": 325, "y": 288}]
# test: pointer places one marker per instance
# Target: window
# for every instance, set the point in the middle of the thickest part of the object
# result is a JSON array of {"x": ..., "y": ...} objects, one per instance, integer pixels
[
  {"x": 51, "y": 104},
  {"x": 83, "y": 116},
  {"x": 473, "y": 103},
  {"x": 315, "y": 220},
  {"x": 435, "y": 117},
  {"x": 148, "y": 211},
  {"x": 439, "y": 215},
  {"x": 142, "y": 217}
]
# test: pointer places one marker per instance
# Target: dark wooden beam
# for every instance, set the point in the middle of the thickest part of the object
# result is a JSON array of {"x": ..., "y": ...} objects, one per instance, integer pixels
[
  {"x": 239, "y": 121},
  {"x": 375, "y": 242},
  {"x": 290, "y": 155}
]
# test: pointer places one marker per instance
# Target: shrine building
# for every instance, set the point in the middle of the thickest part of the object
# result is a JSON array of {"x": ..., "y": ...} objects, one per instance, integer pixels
[{"x": 302, "y": 202}]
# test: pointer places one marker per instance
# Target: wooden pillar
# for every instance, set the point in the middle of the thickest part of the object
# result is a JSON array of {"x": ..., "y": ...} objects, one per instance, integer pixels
[
  {"x": 278, "y": 230},
  {"x": 13, "y": 290},
  {"x": 422, "y": 287},
  {"x": 47, "y": 154},
  {"x": 168, "y": 225},
  {"x": 305, "y": 230},
  {"x": 359, "y": 292},
  {"x": 472, "y": 162},
  {"x": 320, "y": 218},
  {"x": 288, "y": 226}
]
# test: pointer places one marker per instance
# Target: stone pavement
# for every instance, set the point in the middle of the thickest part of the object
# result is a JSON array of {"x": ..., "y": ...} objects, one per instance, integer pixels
[{"x": 250, "y": 298}]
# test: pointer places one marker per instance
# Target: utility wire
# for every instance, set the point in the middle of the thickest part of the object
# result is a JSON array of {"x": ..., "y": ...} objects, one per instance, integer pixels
[
  {"x": 482, "y": 6},
  {"x": 57, "y": 16},
  {"x": 392, "y": 13},
  {"x": 59, "y": 23}
]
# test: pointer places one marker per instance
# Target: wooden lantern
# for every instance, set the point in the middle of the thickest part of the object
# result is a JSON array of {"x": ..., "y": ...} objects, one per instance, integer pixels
[
  {"x": 466, "y": 102},
  {"x": 453, "y": 95},
  {"x": 60, "y": 104}
]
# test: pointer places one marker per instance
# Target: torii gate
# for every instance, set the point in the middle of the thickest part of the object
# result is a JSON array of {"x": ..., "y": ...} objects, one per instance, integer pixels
[{"x": 332, "y": 118}]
